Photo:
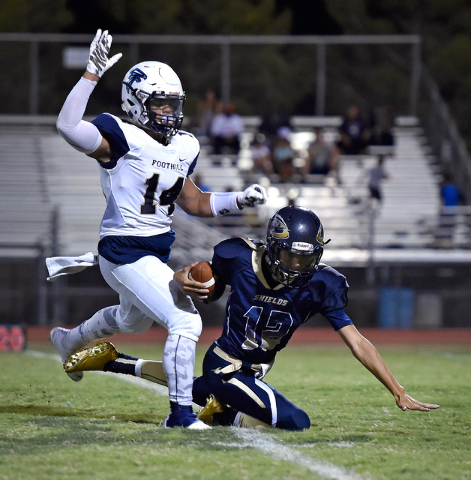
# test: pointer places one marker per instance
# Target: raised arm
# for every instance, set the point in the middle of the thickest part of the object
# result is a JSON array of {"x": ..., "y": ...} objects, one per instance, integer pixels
[
  {"x": 367, "y": 354},
  {"x": 82, "y": 135}
]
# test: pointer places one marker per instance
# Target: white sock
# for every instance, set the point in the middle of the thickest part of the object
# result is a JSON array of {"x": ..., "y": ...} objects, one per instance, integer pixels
[
  {"x": 138, "y": 371},
  {"x": 102, "y": 324}
]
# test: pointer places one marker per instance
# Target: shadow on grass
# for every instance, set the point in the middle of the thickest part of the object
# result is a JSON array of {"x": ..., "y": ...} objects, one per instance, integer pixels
[
  {"x": 63, "y": 428},
  {"x": 55, "y": 428},
  {"x": 49, "y": 411}
]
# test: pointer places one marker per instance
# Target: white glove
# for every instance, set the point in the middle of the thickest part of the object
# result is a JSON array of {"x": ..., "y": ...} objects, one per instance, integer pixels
[
  {"x": 98, "y": 61},
  {"x": 251, "y": 196},
  {"x": 264, "y": 369}
]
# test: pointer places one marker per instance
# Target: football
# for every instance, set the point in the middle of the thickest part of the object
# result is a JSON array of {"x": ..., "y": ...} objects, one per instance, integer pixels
[{"x": 202, "y": 272}]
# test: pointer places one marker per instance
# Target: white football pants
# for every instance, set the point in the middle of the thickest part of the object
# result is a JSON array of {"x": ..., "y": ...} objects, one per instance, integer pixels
[{"x": 148, "y": 294}]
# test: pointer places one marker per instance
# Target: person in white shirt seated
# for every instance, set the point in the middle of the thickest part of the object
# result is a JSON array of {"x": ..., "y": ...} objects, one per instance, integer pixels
[{"x": 225, "y": 131}]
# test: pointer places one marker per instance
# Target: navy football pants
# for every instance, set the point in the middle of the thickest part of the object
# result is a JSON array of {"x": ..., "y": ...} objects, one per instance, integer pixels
[{"x": 244, "y": 393}]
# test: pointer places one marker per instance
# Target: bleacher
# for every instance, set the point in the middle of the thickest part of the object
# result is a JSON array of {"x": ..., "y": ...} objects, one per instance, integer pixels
[
  {"x": 42, "y": 174},
  {"x": 26, "y": 216},
  {"x": 407, "y": 217},
  {"x": 73, "y": 184}
]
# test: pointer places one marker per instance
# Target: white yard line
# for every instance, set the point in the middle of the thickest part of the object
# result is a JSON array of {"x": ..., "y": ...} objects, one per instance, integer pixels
[
  {"x": 250, "y": 437},
  {"x": 270, "y": 446}
]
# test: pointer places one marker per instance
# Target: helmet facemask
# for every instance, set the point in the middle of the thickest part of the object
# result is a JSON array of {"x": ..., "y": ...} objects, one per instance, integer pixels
[
  {"x": 290, "y": 267},
  {"x": 165, "y": 113}
]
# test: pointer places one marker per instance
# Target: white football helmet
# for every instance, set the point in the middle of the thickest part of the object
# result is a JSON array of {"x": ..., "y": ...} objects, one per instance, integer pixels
[{"x": 147, "y": 87}]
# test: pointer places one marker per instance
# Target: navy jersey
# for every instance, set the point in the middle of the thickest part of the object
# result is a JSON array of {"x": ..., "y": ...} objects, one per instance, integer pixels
[{"x": 260, "y": 320}]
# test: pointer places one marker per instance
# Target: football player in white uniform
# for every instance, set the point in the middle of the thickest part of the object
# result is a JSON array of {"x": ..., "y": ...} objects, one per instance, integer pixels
[{"x": 146, "y": 165}]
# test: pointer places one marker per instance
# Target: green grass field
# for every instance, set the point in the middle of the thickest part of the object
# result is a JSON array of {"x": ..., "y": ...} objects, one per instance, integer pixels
[{"x": 107, "y": 428}]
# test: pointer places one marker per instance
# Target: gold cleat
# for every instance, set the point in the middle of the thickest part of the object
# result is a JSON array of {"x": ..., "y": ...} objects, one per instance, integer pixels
[
  {"x": 212, "y": 406},
  {"x": 91, "y": 358}
]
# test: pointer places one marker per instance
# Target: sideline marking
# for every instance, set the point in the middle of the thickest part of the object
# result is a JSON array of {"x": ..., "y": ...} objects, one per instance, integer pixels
[{"x": 250, "y": 437}]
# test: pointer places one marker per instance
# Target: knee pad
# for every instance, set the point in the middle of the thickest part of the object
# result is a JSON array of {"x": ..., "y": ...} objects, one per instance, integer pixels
[
  {"x": 187, "y": 325},
  {"x": 132, "y": 320}
]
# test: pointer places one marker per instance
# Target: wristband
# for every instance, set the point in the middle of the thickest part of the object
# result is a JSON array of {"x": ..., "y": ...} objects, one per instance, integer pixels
[{"x": 222, "y": 203}]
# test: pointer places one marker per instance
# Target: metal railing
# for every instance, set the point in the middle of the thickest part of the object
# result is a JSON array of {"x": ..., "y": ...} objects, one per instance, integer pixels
[
  {"x": 315, "y": 68},
  {"x": 442, "y": 132}
]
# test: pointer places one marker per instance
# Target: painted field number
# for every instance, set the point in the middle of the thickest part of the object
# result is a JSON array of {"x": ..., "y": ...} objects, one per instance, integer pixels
[{"x": 12, "y": 338}]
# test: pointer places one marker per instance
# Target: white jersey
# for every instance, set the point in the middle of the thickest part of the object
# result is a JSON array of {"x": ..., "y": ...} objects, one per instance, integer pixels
[{"x": 143, "y": 179}]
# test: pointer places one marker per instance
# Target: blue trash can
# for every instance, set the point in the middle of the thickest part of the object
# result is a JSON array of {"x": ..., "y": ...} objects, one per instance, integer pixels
[{"x": 396, "y": 307}]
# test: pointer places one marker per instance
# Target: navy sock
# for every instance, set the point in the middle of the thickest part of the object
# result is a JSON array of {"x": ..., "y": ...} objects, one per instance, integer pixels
[
  {"x": 180, "y": 409},
  {"x": 127, "y": 368},
  {"x": 226, "y": 417}
]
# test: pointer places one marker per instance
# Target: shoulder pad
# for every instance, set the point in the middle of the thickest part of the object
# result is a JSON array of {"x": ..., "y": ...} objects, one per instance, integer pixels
[
  {"x": 232, "y": 247},
  {"x": 253, "y": 244},
  {"x": 329, "y": 274},
  {"x": 183, "y": 132}
]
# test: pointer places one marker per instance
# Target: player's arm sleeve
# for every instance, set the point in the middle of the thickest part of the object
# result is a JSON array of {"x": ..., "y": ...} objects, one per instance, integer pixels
[
  {"x": 82, "y": 135},
  {"x": 217, "y": 264},
  {"x": 335, "y": 302},
  {"x": 338, "y": 319},
  {"x": 225, "y": 259}
]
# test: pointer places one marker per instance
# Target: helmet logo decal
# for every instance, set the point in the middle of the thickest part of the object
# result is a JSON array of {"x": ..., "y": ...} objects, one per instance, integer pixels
[
  {"x": 135, "y": 76},
  {"x": 279, "y": 228},
  {"x": 302, "y": 246}
]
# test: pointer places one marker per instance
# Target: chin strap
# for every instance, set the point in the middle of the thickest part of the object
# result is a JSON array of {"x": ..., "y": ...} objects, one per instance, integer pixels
[{"x": 157, "y": 136}]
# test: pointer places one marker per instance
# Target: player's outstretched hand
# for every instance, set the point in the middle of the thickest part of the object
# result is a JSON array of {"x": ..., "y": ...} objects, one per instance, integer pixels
[
  {"x": 406, "y": 402},
  {"x": 251, "y": 196},
  {"x": 98, "y": 61}
]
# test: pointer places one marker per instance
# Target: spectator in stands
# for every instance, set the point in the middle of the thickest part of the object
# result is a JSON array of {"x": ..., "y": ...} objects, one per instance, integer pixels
[
  {"x": 376, "y": 176},
  {"x": 283, "y": 155},
  {"x": 450, "y": 197},
  {"x": 354, "y": 133},
  {"x": 322, "y": 158},
  {"x": 261, "y": 156},
  {"x": 274, "y": 123},
  {"x": 226, "y": 129},
  {"x": 382, "y": 124},
  {"x": 450, "y": 194},
  {"x": 208, "y": 108}
]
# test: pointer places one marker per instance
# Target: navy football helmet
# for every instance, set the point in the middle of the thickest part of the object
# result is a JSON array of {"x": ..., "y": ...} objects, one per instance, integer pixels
[{"x": 295, "y": 244}]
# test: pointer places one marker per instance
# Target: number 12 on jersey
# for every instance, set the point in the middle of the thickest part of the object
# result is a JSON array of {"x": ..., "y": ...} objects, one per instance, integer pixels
[{"x": 265, "y": 334}]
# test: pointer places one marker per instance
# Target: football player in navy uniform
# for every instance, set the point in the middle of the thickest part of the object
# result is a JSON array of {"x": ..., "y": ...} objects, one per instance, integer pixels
[
  {"x": 145, "y": 167},
  {"x": 274, "y": 288}
]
